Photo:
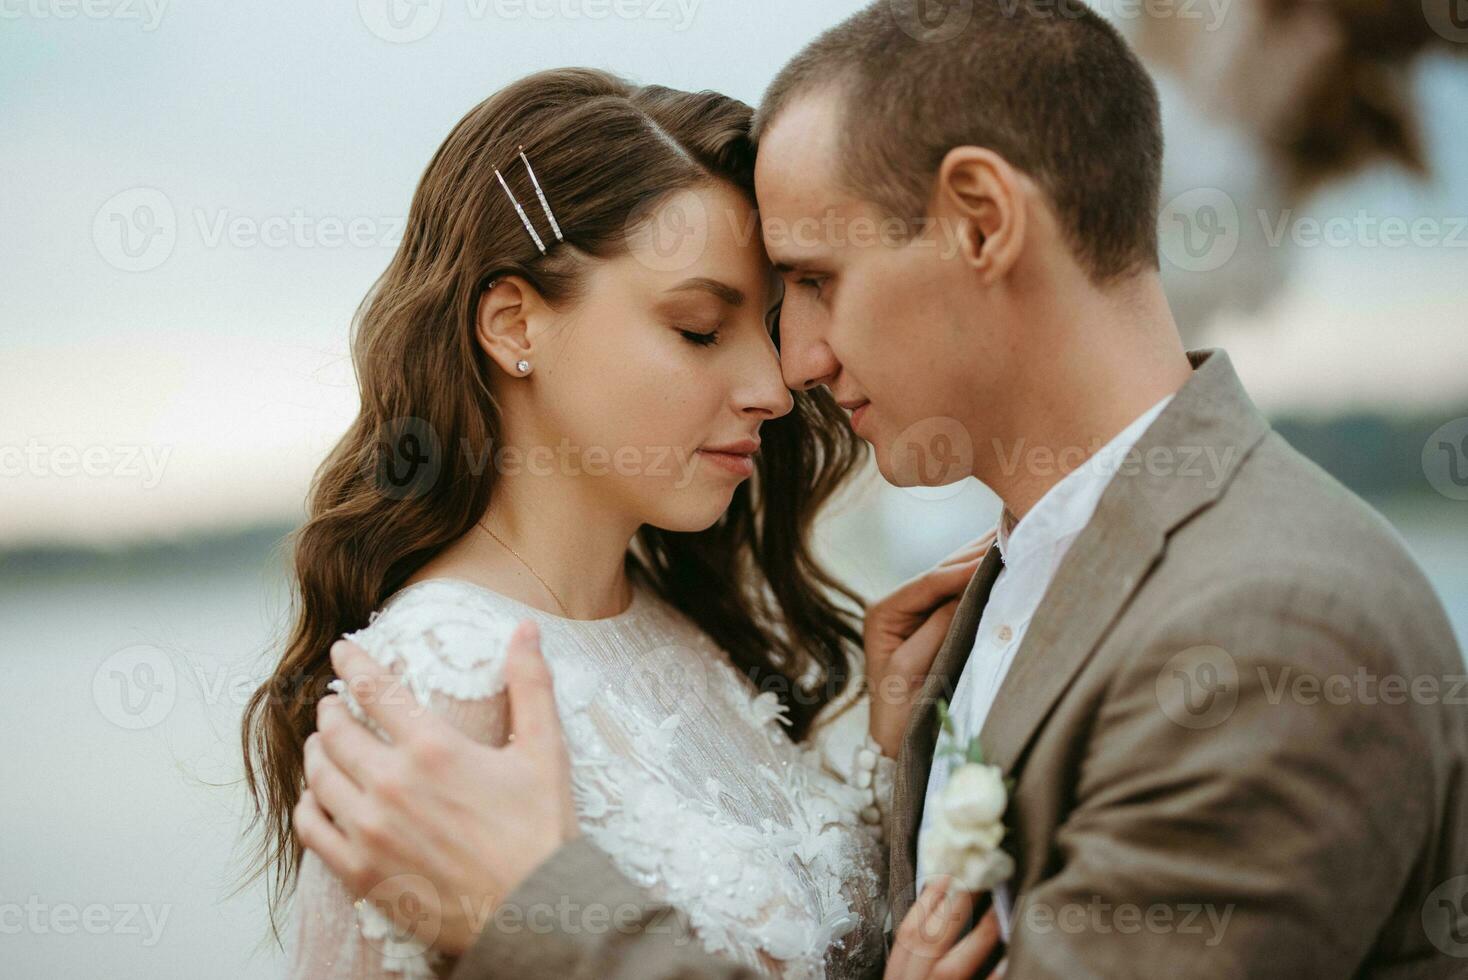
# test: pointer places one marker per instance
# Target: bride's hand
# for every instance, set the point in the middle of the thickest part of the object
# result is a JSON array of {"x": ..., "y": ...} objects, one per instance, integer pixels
[
  {"x": 434, "y": 827},
  {"x": 902, "y": 635}
]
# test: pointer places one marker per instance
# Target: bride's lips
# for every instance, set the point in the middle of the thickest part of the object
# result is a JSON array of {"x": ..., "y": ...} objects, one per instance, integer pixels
[
  {"x": 858, "y": 411},
  {"x": 735, "y": 457}
]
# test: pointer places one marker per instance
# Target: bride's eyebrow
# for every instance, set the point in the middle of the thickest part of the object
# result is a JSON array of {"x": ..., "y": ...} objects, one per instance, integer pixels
[{"x": 725, "y": 292}]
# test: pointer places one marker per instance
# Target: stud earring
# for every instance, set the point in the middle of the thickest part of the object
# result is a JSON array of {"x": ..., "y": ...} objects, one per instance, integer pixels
[{"x": 523, "y": 366}]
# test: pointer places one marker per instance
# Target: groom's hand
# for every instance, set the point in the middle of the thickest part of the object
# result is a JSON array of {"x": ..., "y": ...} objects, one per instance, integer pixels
[
  {"x": 902, "y": 634},
  {"x": 934, "y": 941},
  {"x": 435, "y": 828}
]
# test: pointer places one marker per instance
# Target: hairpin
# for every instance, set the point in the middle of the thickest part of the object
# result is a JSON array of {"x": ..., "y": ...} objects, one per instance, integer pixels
[{"x": 544, "y": 204}]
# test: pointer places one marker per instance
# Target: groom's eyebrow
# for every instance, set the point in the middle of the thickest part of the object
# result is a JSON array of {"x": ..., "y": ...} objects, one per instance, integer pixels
[{"x": 724, "y": 291}]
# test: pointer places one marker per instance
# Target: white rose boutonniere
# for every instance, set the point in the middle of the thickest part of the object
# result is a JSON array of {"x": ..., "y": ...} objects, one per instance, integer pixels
[{"x": 963, "y": 839}]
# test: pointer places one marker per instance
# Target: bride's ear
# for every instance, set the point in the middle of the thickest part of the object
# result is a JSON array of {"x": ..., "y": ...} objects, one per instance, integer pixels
[{"x": 502, "y": 324}]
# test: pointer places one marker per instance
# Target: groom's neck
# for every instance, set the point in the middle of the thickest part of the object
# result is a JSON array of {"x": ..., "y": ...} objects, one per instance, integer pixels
[{"x": 1105, "y": 357}]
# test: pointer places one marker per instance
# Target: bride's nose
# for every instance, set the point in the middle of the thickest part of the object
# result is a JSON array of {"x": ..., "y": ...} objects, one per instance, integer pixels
[{"x": 759, "y": 389}]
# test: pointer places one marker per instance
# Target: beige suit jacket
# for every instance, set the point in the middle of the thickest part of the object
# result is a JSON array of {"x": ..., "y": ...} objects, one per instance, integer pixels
[{"x": 1237, "y": 727}]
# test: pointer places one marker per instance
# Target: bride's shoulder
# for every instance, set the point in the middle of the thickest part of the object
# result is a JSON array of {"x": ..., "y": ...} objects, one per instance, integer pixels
[{"x": 447, "y": 634}]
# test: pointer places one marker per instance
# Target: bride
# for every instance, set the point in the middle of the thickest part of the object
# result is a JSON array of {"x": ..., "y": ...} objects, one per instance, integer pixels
[{"x": 572, "y": 412}]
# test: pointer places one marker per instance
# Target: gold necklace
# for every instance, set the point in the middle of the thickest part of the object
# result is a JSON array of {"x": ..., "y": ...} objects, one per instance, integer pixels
[{"x": 564, "y": 611}]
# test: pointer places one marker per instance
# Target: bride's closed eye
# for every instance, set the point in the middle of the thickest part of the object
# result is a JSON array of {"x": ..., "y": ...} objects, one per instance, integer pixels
[{"x": 700, "y": 338}]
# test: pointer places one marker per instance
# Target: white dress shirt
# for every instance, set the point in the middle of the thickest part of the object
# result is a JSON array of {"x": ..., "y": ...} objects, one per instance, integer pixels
[{"x": 1032, "y": 551}]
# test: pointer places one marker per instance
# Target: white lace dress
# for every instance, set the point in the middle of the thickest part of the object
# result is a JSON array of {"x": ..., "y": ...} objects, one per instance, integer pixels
[{"x": 681, "y": 773}]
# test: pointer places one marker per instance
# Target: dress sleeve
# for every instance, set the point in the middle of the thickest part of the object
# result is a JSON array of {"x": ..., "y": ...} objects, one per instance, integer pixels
[{"x": 448, "y": 646}]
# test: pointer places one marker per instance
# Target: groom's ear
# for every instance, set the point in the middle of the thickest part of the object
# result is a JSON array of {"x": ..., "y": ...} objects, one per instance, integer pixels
[{"x": 982, "y": 198}]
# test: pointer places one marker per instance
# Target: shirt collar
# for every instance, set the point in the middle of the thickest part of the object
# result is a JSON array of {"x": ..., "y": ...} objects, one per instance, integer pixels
[{"x": 1067, "y": 507}]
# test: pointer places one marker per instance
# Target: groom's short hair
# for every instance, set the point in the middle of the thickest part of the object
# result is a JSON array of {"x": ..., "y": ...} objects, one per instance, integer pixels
[{"x": 1047, "y": 84}]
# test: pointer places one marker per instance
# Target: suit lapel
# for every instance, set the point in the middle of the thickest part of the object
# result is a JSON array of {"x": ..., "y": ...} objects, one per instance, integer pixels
[
  {"x": 915, "y": 757},
  {"x": 1212, "y": 422},
  {"x": 1203, "y": 435},
  {"x": 1104, "y": 567}
]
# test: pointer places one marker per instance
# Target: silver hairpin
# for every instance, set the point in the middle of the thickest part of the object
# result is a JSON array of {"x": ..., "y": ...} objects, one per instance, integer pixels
[
  {"x": 544, "y": 204},
  {"x": 524, "y": 218}
]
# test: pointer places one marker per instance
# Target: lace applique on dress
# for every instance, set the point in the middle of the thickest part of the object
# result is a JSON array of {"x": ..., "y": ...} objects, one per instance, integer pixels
[{"x": 681, "y": 773}]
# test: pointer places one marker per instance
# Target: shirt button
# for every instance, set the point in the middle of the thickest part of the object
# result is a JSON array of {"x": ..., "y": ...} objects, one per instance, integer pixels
[{"x": 1005, "y": 634}]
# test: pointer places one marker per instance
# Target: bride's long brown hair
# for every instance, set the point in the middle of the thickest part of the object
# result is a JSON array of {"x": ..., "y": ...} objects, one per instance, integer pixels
[{"x": 603, "y": 150}]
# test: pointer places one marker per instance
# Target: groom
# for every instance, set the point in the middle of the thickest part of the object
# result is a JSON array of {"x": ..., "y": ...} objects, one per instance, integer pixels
[{"x": 1206, "y": 666}]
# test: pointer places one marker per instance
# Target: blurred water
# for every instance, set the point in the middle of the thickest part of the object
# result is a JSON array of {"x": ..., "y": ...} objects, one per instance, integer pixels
[{"x": 125, "y": 685}]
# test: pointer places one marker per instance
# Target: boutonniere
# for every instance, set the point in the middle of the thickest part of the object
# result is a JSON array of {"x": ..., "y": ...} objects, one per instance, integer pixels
[{"x": 963, "y": 838}]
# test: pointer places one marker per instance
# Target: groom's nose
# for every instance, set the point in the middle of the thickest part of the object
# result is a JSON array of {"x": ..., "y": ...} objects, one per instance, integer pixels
[{"x": 805, "y": 358}]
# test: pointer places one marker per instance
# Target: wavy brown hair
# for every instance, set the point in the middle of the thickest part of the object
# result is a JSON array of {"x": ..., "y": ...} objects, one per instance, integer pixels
[{"x": 604, "y": 150}]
